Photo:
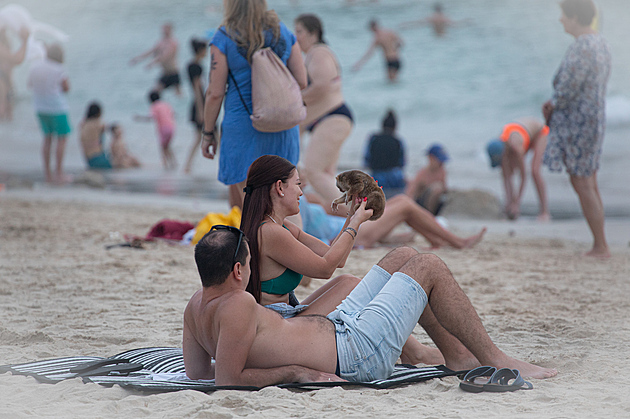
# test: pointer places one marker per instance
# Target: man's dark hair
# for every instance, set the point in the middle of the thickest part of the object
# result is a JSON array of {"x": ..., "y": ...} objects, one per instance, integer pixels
[
  {"x": 373, "y": 24},
  {"x": 584, "y": 10},
  {"x": 154, "y": 96},
  {"x": 214, "y": 254}
]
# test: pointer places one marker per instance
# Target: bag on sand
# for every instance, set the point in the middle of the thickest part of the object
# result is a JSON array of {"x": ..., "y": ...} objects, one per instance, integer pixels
[{"x": 276, "y": 96}]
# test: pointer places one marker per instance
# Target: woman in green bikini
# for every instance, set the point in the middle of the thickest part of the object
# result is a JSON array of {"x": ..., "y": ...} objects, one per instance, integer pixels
[{"x": 281, "y": 252}]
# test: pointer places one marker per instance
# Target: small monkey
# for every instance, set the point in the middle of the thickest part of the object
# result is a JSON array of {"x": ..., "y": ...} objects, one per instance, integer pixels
[{"x": 357, "y": 184}]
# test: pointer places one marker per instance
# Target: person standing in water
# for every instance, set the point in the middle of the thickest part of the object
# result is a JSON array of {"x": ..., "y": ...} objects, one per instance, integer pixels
[
  {"x": 164, "y": 53},
  {"x": 390, "y": 43}
]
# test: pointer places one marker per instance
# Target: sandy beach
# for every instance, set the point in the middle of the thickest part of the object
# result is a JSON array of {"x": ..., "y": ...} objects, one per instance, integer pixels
[{"x": 63, "y": 294}]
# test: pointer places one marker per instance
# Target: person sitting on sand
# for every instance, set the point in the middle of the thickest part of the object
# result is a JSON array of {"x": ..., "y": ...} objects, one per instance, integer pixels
[
  {"x": 120, "y": 156},
  {"x": 428, "y": 187},
  {"x": 271, "y": 197},
  {"x": 509, "y": 151},
  {"x": 385, "y": 157},
  {"x": 390, "y": 43},
  {"x": 91, "y": 133},
  {"x": 254, "y": 346},
  {"x": 398, "y": 210}
]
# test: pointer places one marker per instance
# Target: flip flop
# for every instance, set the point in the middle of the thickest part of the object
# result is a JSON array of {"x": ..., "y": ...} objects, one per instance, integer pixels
[
  {"x": 506, "y": 379},
  {"x": 475, "y": 380}
]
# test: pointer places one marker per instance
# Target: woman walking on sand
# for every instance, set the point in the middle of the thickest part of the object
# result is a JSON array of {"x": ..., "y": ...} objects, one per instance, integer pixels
[
  {"x": 247, "y": 27},
  {"x": 328, "y": 119},
  {"x": 576, "y": 114}
]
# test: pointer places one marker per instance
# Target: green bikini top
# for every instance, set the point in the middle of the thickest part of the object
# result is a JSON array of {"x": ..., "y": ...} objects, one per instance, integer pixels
[{"x": 283, "y": 284}]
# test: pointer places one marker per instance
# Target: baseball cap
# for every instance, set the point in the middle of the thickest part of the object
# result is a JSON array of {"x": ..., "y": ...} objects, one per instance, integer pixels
[
  {"x": 437, "y": 151},
  {"x": 495, "y": 151}
]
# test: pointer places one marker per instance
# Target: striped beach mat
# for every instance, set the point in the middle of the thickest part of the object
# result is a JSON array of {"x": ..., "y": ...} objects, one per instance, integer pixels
[{"x": 160, "y": 370}]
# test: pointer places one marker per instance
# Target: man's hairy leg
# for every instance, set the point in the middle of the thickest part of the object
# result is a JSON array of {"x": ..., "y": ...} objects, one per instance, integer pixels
[{"x": 455, "y": 313}]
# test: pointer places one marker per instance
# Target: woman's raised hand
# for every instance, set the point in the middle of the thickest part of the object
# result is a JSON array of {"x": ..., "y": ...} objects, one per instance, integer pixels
[{"x": 359, "y": 212}]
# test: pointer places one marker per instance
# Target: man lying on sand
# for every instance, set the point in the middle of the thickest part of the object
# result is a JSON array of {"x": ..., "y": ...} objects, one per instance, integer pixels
[{"x": 253, "y": 345}]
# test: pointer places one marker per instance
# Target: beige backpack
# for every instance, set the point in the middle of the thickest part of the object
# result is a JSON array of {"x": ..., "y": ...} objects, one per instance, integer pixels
[{"x": 276, "y": 96}]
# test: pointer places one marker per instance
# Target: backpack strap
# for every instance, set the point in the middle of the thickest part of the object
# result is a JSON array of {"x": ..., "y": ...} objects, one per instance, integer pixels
[{"x": 234, "y": 80}]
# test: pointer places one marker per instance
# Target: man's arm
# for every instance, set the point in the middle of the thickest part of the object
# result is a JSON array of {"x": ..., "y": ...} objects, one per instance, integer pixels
[
  {"x": 357, "y": 66},
  {"x": 144, "y": 55},
  {"x": 238, "y": 324}
]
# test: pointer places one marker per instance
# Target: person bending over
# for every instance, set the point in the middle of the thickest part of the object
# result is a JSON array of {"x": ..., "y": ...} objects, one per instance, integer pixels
[
  {"x": 509, "y": 151},
  {"x": 254, "y": 346}
]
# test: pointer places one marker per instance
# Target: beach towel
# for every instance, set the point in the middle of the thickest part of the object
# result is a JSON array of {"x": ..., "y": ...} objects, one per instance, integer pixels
[{"x": 163, "y": 371}]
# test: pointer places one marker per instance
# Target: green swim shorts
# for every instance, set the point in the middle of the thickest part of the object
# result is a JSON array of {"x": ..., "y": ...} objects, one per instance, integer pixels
[{"x": 54, "y": 124}]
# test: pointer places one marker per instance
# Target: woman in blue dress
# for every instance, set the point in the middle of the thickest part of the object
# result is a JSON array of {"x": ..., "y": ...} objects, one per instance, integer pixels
[
  {"x": 247, "y": 26},
  {"x": 576, "y": 114}
]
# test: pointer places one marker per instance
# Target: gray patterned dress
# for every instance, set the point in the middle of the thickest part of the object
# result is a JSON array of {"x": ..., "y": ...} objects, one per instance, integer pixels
[{"x": 578, "y": 120}]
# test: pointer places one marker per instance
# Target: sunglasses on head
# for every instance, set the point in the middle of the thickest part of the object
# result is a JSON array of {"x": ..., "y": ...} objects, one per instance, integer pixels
[{"x": 233, "y": 230}]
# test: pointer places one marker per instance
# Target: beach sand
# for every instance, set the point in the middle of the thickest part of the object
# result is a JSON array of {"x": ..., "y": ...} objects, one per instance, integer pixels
[{"x": 63, "y": 294}]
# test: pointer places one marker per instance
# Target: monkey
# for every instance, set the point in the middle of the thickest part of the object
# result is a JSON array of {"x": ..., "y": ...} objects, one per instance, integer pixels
[{"x": 357, "y": 184}]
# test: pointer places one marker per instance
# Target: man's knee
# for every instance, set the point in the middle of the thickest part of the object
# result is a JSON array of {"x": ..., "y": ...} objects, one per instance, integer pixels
[
  {"x": 397, "y": 258},
  {"x": 425, "y": 266},
  {"x": 349, "y": 280}
]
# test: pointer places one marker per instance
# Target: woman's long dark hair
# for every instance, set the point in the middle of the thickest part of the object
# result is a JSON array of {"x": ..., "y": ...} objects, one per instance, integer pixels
[
  {"x": 313, "y": 25},
  {"x": 264, "y": 172}
]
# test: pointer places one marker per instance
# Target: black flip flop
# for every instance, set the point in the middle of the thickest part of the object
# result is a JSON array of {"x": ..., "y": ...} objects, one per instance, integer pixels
[
  {"x": 475, "y": 380},
  {"x": 506, "y": 379}
]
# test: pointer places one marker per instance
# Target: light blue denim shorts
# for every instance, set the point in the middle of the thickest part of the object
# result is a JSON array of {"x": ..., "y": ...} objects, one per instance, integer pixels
[
  {"x": 286, "y": 310},
  {"x": 374, "y": 322}
]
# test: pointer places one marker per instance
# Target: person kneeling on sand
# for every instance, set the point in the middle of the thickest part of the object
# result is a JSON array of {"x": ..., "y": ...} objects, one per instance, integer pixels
[{"x": 253, "y": 345}]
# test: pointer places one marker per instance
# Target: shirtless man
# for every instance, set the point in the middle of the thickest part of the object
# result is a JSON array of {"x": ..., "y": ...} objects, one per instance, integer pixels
[
  {"x": 164, "y": 53},
  {"x": 509, "y": 151},
  {"x": 428, "y": 187},
  {"x": 390, "y": 43},
  {"x": 438, "y": 21},
  {"x": 254, "y": 346}
]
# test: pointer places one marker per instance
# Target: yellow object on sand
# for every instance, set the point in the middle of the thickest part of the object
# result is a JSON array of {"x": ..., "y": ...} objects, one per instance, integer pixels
[{"x": 233, "y": 218}]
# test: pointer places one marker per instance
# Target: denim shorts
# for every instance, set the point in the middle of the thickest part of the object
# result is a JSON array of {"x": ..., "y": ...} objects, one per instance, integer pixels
[
  {"x": 287, "y": 311},
  {"x": 373, "y": 323}
]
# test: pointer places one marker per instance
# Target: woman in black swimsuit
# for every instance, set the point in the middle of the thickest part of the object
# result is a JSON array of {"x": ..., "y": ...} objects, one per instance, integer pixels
[
  {"x": 196, "y": 108},
  {"x": 328, "y": 119}
]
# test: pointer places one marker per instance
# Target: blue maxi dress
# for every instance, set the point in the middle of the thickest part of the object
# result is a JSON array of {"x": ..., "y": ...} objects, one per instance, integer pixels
[{"x": 241, "y": 144}]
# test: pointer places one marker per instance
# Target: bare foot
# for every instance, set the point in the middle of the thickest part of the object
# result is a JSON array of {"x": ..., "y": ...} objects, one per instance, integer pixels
[
  {"x": 526, "y": 369},
  {"x": 473, "y": 240},
  {"x": 544, "y": 217},
  {"x": 598, "y": 253},
  {"x": 422, "y": 354}
]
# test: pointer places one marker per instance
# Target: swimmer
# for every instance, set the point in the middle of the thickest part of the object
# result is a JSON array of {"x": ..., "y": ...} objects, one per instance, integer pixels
[
  {"x": 509, "y": 151},
  {"x": 390, "y": 43}
]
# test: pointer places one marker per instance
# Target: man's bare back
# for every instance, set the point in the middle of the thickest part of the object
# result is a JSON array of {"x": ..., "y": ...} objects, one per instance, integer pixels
[
  {"x": 266, "y": 340},
  {"x": 390, "y": 42}
]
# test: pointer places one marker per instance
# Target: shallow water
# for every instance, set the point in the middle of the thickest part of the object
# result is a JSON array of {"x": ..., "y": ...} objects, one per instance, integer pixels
[{"x": 458, "y": 90}]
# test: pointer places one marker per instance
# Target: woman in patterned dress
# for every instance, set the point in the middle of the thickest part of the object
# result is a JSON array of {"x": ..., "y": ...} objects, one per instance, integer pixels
[{"x": 576, "y": 116}]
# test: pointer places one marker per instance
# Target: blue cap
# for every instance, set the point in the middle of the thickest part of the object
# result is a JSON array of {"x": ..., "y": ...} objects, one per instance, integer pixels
[
  {"x": 437, "y": 151},
  {"x": 495, "y": 151}
]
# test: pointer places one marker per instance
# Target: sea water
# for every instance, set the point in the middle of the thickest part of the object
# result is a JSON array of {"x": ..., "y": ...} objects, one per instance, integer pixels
[{"x": 494, "y": 66}]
